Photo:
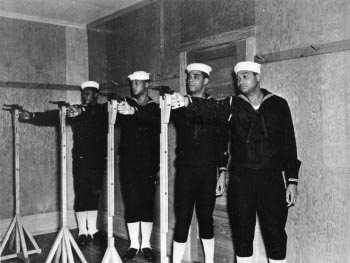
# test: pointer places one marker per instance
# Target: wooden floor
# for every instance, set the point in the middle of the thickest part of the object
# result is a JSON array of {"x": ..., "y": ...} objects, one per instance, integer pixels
[{"x": 93, "y": 252}]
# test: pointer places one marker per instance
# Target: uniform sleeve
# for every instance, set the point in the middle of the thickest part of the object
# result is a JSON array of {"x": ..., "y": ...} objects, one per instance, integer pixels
[
  {"x": 213, "y": 111},
  {"x": 290, "y": 149},
  {"x": 47, "y": 118}
]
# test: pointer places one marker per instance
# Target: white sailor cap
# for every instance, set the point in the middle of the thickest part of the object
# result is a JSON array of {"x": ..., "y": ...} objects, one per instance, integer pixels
[
  {"x": 139, "y": 75},
  {"x": 199, "y": 66},
  {"x": 247, "y": 65},
  {"x": 91, "y": 84}
]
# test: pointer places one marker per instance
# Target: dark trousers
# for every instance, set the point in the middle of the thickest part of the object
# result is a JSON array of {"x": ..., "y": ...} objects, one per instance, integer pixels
[
  {"x": 138, "y": 188},
  {"x": 87, "y": 185},
  {"x": 194, "y": 186},
  {"x": 263, "y": 193}
]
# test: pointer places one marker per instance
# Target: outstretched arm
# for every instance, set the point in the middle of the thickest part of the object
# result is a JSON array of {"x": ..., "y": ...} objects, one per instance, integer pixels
[
  {"x": 213, "y": 111},
  {"x": 149, "y": 113},
  {"x": 47, "y": 118}
]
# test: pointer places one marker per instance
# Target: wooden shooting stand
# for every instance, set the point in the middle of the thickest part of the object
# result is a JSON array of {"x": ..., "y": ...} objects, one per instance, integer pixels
[
  {"x": 17, "y": 228},
  {"x": 165, "y": 107},
  {"x": 61, "y": 248},
  {"x": 111, "y": 255}
]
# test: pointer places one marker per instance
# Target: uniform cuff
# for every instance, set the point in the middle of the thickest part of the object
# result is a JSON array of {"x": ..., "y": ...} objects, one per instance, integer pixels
[{"x": 292, "y": 181}]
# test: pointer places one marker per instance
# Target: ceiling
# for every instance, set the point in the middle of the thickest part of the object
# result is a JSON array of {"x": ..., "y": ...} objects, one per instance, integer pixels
[{"x": 75, "y": 13}]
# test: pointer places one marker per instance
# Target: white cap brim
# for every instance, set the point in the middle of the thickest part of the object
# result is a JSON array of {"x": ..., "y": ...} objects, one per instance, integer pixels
[
  {"x": 90, "y": 84},
  {"x": 139, "y": 75},
  {"x": 248, "y": 66},
  {"x": 199, "y": 66}
]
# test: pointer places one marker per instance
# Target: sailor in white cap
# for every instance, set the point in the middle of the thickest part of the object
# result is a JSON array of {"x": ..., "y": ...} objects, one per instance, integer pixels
[
  {"x": 89, "y": 122},
  {"x": 202, "y": 156},
  {"x": 139, "y": 119},
  {"x": 263, "y": 146}
]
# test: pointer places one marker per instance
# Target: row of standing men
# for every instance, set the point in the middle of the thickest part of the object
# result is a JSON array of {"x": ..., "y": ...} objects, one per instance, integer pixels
[{"x": 263, "y": 146}]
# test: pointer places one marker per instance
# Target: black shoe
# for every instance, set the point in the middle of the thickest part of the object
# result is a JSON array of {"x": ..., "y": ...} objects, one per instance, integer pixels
[
  {"x": 89, "y": 239},
  {"x": 147, "y": 253},
  {"x": 130, "y": 254},
  {"x": 82, "y": 240},
  {"x": 98, "y": 237}
]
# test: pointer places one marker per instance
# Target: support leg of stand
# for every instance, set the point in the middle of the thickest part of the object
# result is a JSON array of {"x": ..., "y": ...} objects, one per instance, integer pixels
[
  {"x": 12, "y": 240},
  {"x": 9, "y": 231},
  {"x": 64, "y": 251},
  {"x": 75, "y": 246},
  {"x": 58, "y": 254},
  {"x": 22, "y": 239},
  {"x": 32, "y": 240},
  {"x": 68, "y": 248},
  {"x": 18, "y": 244},
  {"x": 107, "y": 256},
  {"x": 18, "y": 232},
  {"x": 55, "y": 246},
  {"x": 62, "y": 248},
  {"x": 111, "y": 255}
]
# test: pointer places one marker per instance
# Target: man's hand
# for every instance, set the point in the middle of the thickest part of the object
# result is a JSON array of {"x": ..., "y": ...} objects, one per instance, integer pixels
[
  {"x": 125, "y": 109},
  {"x": 178, "y": 101},
  {"x": 291, "y": 194},
  {"x": 25, "y": 115},
  {"x": 221, "y": 183},
  {"x": 73, "y": 111}
]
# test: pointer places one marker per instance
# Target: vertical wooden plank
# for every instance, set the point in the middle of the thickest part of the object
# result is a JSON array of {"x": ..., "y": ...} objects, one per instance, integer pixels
[
  {"x": 250, "y": 48},
  {"x": 183, "y": 65},
  {"x": 63, "y": 169},
  {"x": 15, "y": 115}
]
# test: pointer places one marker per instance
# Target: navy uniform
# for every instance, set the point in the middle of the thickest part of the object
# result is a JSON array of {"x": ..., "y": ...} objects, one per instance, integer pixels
[
  {"x": 89, "y": 158},
  {"x": 139, "y": 162},
  {"x": 201, "y": 153},
  {"x": 139, "y": 159},
  {"x": 263, "y": 146}
]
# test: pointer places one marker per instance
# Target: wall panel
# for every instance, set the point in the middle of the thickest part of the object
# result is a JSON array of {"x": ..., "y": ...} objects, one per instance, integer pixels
[
  {"x": 38, "y": 155},
  {"x": 319, "y": 104},
  {"x": 134, "y": 44},
  {"x": 33, "y": 52},
  {"x": 171, "y": 34},
  {"x": 76, "y": 56},
  {"x": 98, "y": 61},
  {"x": 285, "y": 25},
  {"x": 203, "y": 18}
]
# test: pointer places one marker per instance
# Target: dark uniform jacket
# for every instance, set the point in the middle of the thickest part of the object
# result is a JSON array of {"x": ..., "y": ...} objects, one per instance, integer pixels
[
  {"x": 200, "y": 143},
  {"x": 139, "y": 138},
  {"x": 260, "y": 139}
]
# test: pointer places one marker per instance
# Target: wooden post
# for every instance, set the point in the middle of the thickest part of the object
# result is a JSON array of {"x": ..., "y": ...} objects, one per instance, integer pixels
[
  {"x": 111, "y": 255},
  {"x": 64, "y": 240},
  {"x": 17, "y": 228},
  {"x": 165, "y": 106}
]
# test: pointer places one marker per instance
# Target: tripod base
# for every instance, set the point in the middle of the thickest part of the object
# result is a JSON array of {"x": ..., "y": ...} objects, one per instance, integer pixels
[
  {"x": 61, "y": 248},
  {"x": 17, "y": 230},
  {"x": 111, "y": 255}
]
